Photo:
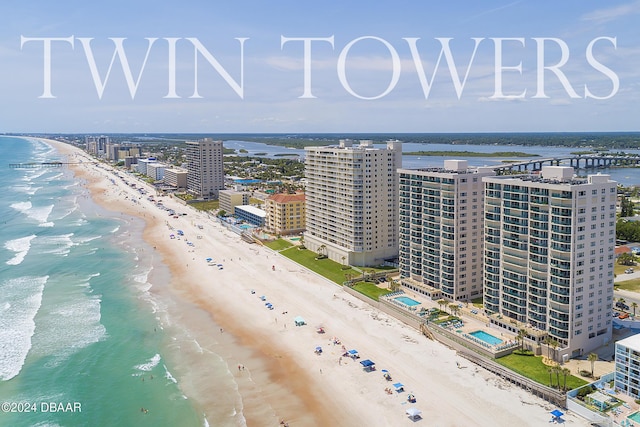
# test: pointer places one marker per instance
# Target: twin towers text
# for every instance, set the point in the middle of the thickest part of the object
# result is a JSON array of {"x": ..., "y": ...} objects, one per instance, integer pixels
[{"x": 439, "y": 58}]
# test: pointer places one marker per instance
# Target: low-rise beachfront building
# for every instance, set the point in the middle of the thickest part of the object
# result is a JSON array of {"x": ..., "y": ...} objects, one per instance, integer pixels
[
  {"x": 142, "y": 165},
  {"x": 549, "y": 255},
  {"x": 441, "y": 230},
  {"x": 175, "y": 177},
  {"x": 352, "y": 201},
  {"x": 627, "y": 366},
  {"x": 156, "y": 171},
  {"x": 206, "y": 168},
  {"x": 229, "y": 199},
  {"x": 285, "y": 213},
  {"x": 251, "y": 214}
]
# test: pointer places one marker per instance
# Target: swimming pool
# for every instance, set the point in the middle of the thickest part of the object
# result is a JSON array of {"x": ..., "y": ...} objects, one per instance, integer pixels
[
  {"x": 488, "y": 338},
  {"x": 634, "y": 417},
  {"x": 407, "y": 301},
  {"x": 247, "y": 181}
]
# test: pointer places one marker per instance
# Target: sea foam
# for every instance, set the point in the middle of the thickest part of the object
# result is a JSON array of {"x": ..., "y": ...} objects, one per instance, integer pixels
[
  {"x": 21, "y": 247},
  {"x": 150, "y": 364},
  {"x": 40, "y": 214},
  {"x": 68, "y": 325},
  {"x": 21, "y": 299}
]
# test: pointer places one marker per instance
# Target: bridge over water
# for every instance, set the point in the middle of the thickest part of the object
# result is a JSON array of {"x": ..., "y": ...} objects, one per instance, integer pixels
[{"x": 577, "y": 162}]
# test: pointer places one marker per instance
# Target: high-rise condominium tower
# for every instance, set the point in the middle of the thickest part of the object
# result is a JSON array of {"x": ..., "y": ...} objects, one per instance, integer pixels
[
  {"x": 352, "y": 201},
  {"x": 441, "y": 230},
  {"x": 549, "y": 255},
  {"x": 205, "y": 168}
]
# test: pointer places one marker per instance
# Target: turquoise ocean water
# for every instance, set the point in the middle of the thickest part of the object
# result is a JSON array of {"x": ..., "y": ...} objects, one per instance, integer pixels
[{"x": 78, "y": 323}]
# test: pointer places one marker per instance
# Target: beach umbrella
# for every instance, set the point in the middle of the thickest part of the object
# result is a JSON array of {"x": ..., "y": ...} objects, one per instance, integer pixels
[
  {"x": 209, "y": 259},
  {"x": 413, "y": 412},
  {"x": 557, "y": 413}
]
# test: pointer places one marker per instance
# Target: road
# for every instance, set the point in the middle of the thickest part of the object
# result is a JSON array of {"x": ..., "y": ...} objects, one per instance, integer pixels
[{"x": 629, "y": 296}]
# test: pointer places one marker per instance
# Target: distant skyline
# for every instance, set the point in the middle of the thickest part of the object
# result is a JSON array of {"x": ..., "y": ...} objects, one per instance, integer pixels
[{"x": 506, "y": 66}]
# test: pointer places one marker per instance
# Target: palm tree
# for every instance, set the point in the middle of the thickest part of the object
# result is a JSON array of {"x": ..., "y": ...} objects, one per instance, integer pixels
[
  {"x": 565, "y": 372},
  {"x": 634, "y": 305},
  {"x": 521, "y": 334},
  {"x": 453, "y": 308},
  {"x": 442, "y": 303},
  {"x": 557, "y": 369},
  {"x": 592, "y": 358},
  {"x": 555, "y": 344},
  {"x": 547, "y": 342},
  {"x": 550, "y": 371},
  {"x": 343, "y": 258}
]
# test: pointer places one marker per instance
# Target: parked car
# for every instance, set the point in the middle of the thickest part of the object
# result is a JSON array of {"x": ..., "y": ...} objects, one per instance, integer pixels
[
  {"x": 629, "y": 270},
  {"x": 622, "y": 305}
]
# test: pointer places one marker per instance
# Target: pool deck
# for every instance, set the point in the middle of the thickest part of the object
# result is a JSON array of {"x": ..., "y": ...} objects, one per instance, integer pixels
[{"x": 472, "y": 322}]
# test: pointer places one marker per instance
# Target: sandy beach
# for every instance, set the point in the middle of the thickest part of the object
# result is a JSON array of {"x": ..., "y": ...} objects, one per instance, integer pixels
[{"x": 279, "y": 374}]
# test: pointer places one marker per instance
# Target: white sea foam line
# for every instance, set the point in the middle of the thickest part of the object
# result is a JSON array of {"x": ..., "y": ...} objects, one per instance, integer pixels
[
  {"x": 25, "y": 188},
  {"x": 22, "y": 207},
  {"x": 168, "y": 375},
  {"x": 150, "y": 364},
  {"x": 55, "y": 177},
  {"x": 58, "y": 245},
  {"x": 69, "y": 210},
  {"x": 83, "y": 240},
  {"x": 35, "y": 174},
  {"x": 21, "y": 299},
  {"x": 21, "y": 247},
  {"x": 40, "y": 214}
]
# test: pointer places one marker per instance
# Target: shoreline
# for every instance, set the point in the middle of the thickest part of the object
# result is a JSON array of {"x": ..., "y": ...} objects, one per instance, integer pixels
[{"x": 284, "y": 379}]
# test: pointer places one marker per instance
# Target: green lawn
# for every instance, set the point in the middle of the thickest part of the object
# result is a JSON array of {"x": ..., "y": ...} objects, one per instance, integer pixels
[
  {"x": 628, "y": 285},
  {"x": 211, "y": 205},
  {"x": 324, "y": 267},
  {"x": 478, "y": 302},
  {"x": 371, "y": 290},
  {"x": 278, "y": 245},
  {"x": 533, "y": 368}
]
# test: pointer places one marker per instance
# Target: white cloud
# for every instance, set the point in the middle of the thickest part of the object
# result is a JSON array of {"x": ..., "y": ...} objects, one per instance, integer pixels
[{"x": 613, "y": 13}]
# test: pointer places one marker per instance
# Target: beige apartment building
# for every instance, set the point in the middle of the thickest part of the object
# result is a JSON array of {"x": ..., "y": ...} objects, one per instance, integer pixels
[
  {"x": 549, "y": 256},
  {"x": 285, "y": 213},
  {"x": 352, "y": 200},
  {"x": 175, "y": 177},
  {"x": 229, "y": 199},
  {"x": 206, "y": 169},
  {"x": 441, "y": 230}
]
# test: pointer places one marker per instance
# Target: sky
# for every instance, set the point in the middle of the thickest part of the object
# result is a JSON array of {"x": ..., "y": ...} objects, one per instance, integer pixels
[{"x": 142, "y": 66}]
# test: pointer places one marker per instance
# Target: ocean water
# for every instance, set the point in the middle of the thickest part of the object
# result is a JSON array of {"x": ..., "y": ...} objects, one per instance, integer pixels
[{"x": 84, "y": 339}]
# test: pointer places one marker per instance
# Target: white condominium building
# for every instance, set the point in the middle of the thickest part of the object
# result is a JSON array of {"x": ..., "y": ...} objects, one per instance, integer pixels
[
  {"x": 351, "y": 201},
  {"x": 627, "y": 372},
  {"x": 441, "y": 230},
  {"x": 205, "y": 167},
  {"x": 549, "y": 255}
]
